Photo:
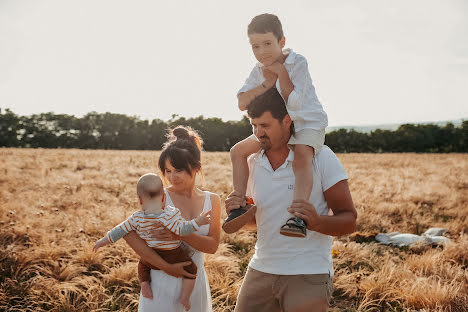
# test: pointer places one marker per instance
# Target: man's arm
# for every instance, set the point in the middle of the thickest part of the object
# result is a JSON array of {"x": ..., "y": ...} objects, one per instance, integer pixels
[
  {"x": 339, "y": 200},
  {"x": 152, "y": 257}
]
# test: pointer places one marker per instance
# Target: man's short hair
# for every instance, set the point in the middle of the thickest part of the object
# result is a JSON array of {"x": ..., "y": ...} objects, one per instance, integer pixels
[
  {"x": 270, "y": 101},
  {"x": 264, "y": 23}
]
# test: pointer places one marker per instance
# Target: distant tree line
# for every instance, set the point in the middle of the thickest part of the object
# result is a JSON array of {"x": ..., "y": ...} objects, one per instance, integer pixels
[{"x": 118, "y": 131}]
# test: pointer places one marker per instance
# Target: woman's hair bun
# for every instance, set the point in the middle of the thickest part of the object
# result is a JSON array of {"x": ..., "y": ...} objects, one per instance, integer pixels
[
  {"x": 181, "y": 133},
  {"x": 184, "y": 136}
]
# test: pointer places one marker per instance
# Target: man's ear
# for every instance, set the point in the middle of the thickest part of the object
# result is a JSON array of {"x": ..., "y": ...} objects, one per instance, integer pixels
[
  {"x": 287, "y": 121},
  {"x": 282, "y": 42},
  {"x": 141, "y": 200}
]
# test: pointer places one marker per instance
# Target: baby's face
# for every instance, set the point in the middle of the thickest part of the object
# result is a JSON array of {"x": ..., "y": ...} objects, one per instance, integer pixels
[{"x": 266, "y": 47}]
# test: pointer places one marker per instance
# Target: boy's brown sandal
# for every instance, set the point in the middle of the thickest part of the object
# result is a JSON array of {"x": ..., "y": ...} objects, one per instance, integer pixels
[
  {"x": 237, "y": 218},
  {"x": 294, "y": 227}
]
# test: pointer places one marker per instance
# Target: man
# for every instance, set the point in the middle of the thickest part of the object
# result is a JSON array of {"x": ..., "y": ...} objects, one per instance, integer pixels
[{"x": 290, "y": 274}]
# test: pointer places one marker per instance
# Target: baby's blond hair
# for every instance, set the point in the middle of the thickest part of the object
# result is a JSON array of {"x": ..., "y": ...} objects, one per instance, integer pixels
[{"x": 149, "y": 186}]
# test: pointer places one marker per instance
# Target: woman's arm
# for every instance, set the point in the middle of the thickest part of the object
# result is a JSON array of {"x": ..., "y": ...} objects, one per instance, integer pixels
[
  {"x": 209, "y": 243},
  {"x": 152, "y": 257}
]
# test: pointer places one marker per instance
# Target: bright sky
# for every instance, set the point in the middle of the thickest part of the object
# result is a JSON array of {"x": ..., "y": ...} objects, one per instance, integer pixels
[{"x": 371, "y": 62}]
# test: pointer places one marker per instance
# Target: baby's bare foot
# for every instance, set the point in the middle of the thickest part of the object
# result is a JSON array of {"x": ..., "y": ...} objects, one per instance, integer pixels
[
  {"x": 146, "y": 290},
  {"x": 185, "y": 301}
]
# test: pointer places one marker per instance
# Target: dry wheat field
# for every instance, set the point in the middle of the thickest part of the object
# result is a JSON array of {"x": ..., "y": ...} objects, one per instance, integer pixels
[{"x": 54, "y": 204}]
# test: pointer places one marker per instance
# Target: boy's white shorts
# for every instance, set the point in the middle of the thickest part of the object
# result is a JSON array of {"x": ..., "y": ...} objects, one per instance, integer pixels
[{"x": 309, "y": 137}]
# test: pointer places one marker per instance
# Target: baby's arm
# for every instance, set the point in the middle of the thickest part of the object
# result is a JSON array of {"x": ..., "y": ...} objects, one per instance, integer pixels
[
  {"x": 181, "y": 227},
  {"x": 253, "y": 87},
  {"x": 101, "y": 243},
  {"x": 116, "y": 233}
]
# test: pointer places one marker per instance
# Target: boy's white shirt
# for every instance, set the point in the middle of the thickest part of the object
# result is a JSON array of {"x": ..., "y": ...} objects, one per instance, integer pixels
[{"x": 303, "y": 106}]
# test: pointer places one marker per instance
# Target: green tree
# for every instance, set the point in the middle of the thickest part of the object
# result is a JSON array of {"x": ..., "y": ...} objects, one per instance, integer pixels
[{"x": 9, "y": 127}]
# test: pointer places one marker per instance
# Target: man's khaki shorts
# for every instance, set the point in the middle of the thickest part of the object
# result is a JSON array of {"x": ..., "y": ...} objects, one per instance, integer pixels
[{"x": 288, "y": 293}]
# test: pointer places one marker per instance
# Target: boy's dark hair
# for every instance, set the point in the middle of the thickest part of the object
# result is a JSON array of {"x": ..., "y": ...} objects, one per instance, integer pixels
[
  {"x": 264, "y": 23},
  {"x": 270, "y": 101}
]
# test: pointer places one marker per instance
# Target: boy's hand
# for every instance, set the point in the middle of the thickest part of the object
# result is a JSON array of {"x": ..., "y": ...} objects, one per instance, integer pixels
[
  {"x": 101, "y": 243},
  {"x": 204, "y": 218},
  {"x": 276, "y": 68},
  {"x": 270, "y": 77}
]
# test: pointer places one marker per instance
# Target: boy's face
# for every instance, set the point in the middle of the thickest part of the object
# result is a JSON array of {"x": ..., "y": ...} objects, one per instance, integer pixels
[{"x": 266, "y": 48}]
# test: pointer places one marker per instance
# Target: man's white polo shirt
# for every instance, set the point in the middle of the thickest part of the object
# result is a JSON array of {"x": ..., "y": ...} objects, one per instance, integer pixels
[{"x": 272, "y": 192}]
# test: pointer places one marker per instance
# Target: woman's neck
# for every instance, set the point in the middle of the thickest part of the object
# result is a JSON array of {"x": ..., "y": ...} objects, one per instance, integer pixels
[{"x": 188, "y": 192}]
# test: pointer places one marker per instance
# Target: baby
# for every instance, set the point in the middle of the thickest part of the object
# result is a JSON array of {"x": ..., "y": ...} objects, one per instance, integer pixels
[{"x": 155, "y": 214}]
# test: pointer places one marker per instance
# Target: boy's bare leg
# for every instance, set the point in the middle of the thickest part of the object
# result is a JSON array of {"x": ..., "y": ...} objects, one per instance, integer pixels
[
  {"x": 303, "y": 171},
  {"x": 146, "y": 290},
  {"x": 239, "y": 216},
  {"x": 144, "y": 276},
  {"x": 240, "y": 170},
  {"x": 187, "y": 288}
]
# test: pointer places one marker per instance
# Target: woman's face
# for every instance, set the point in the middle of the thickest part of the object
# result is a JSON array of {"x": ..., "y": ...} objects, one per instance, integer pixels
[{"x": 178, "y": 178}]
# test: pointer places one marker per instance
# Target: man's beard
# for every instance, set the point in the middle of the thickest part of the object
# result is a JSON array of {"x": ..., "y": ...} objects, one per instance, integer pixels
[{"x": 265, "y": 142}]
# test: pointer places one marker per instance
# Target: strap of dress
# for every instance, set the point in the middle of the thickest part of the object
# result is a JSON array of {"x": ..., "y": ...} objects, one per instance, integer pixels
[
  {"x": 168, "y": 199},
  {"x": 207, "y": 204}
]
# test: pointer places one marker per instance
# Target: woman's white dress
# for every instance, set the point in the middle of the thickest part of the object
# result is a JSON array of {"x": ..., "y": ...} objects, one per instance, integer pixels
[{"x": 166, "y": 289}]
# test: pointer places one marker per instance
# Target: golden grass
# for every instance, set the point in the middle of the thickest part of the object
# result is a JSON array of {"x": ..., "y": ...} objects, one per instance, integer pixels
[{"x": 54, "y": 204}]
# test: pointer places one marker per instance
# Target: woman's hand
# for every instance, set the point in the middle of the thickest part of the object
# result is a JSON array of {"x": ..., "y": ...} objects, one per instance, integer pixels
[{"x": 177, "y": 270}]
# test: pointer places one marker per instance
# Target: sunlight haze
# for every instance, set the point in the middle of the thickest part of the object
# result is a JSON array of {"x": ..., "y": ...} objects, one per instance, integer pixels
[{"x": 371, "y": 62}]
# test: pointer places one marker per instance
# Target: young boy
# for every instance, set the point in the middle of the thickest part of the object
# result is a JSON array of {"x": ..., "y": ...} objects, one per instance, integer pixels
[
  {"x": 152, "y": 200},
  {"x": 288, "y": 72}
]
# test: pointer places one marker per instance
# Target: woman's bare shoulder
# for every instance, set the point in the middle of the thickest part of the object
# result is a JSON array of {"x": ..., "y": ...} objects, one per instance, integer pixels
[
  {"x": 215, "y": 199},
  {"x": 214, "y": 196}
]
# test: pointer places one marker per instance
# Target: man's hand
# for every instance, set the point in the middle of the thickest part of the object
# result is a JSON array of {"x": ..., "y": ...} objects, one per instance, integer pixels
[
  {"x": 270, "y": 77},
  {"x": 234, "y": 200},
  {"x": 276, "y": 68},
  {"x": 306, "y": 211},
  {"x": 177, "y": 270}
]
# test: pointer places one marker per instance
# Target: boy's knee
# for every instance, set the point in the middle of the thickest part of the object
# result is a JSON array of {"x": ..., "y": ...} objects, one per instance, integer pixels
[{"x": 234, "y": 152}]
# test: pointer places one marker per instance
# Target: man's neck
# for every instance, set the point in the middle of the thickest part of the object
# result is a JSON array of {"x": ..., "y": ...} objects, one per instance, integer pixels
[{"x": 277, "y": 157}]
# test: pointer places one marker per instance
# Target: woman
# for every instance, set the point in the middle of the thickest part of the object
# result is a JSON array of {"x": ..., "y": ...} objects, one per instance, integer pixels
[{"x": 179, "y": 164}]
